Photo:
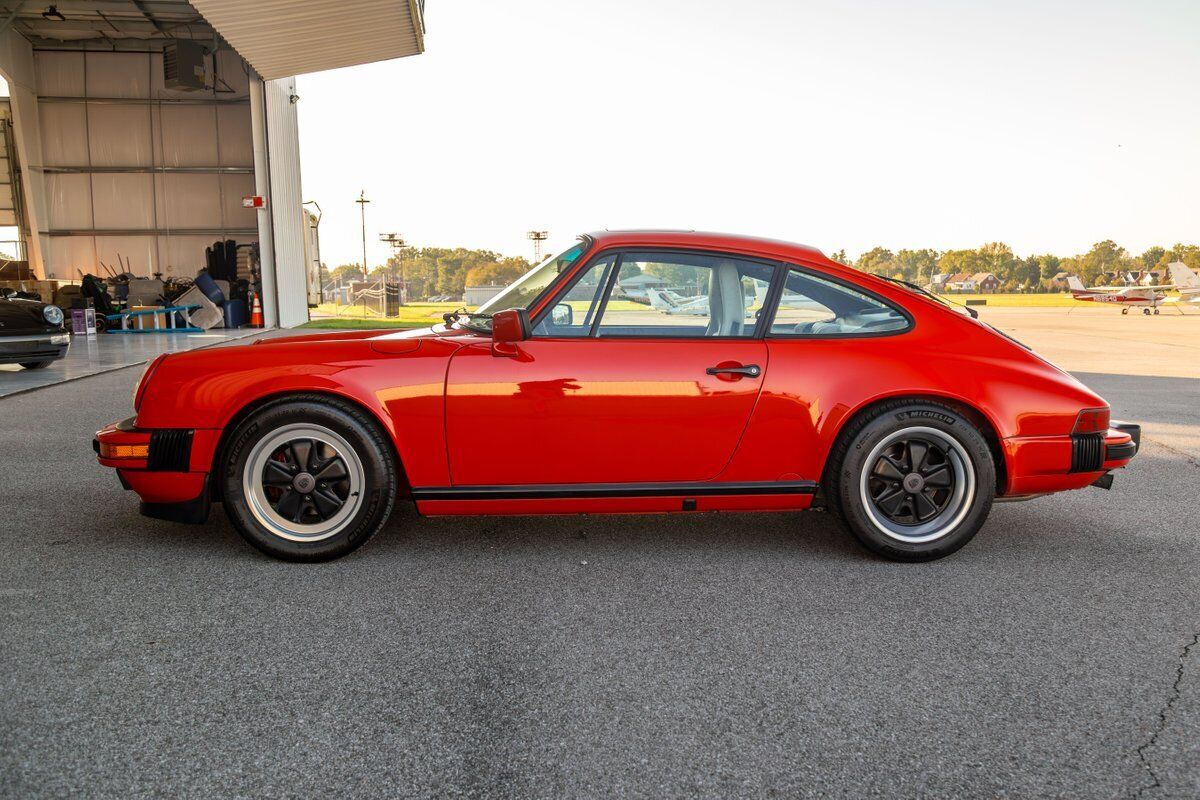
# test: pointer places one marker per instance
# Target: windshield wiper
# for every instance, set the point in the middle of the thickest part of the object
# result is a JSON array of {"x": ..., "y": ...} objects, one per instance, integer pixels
[
  {"x": 450, "y": 317},
  {"x": 974, "y": 314}
]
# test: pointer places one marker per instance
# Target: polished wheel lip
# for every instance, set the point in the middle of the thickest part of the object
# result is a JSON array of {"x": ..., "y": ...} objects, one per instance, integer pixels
[
  {"x": 260, "y": 505},
  {"x": 952, "y": 512}
]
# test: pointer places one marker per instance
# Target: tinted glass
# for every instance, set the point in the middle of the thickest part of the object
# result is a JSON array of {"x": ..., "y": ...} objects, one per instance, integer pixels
[
  {"x": 685, "y": 295},
  {"x": 573, "y": 313},
  {"x": 812, "y": 306}
]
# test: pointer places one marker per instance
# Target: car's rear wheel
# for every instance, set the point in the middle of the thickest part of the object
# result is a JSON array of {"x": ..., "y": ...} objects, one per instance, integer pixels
[
  {"x": 36, "y": 364},
  {"x": 308, "y": 479},
  {"x": 913, "y": 481}
]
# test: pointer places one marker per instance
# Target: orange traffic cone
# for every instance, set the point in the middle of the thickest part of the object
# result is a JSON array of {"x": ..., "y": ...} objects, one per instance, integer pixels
[{"x": 256, "y": 315}]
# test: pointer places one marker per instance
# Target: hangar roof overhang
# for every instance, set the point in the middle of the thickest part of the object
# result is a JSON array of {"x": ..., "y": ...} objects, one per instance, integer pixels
[
  {"x": 282, "y": 37},
  {"x": 278, "y": 38}
]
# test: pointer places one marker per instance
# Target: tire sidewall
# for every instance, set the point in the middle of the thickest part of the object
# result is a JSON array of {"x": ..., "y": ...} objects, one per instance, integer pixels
[
  {"x": 378, "y": 479},
  {"x": 884, "y": 425}
]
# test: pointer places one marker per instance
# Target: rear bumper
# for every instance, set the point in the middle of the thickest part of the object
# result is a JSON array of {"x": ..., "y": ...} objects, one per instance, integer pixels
[
  {"x": 168, "y": 468},
  {"x": 1042, "y": 464}
]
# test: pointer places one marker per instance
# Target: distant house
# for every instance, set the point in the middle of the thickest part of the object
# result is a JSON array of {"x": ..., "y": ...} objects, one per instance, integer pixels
[
  {"x": 1059, "y": 281},
  {"x": 938, "y": 283},
  {"x": 985, "y": 282},
  {"x": 1150, "y": 277},
  {"x": 960, "y": 282}
]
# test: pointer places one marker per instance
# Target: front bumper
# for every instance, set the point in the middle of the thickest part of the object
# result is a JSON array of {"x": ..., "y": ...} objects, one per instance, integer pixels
[
  {"x": 167, "y": 468},
  {"x": 1043, "y": 464},
  {"x": 23, "y": 349}
]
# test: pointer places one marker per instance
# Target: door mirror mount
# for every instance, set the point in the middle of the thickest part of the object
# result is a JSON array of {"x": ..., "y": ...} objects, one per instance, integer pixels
[{"x": 508, "y": 328}]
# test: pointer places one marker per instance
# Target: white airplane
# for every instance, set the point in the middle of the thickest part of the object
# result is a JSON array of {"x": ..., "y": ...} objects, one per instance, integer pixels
[
  {"x": 1186, "y": 281},
  {"x": 668, "y": 302},
  {"x": 1148, "y": 298}
]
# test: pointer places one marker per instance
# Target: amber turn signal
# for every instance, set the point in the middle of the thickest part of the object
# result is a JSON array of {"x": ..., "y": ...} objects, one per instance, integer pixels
[{"x": 124, "y": 450}]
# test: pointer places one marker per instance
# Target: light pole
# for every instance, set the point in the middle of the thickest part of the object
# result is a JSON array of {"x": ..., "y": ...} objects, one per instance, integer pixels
[
  {"x": 397, "y": 243},
  {"x": 537, "y": 237}
]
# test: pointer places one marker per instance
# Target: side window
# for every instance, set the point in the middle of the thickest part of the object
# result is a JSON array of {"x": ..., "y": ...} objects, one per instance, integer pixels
[
  {"x": 812, "y": 306},
  {"x": 573, "y": 313},
  {"x": 675, "y": 295}
]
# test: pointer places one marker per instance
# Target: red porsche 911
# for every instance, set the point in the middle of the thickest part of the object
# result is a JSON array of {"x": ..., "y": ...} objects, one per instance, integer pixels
[{"x": 637, "y": 372}]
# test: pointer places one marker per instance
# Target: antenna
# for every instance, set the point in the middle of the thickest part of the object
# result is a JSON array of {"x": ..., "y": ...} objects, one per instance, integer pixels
[{"x": 537, "y": 237}]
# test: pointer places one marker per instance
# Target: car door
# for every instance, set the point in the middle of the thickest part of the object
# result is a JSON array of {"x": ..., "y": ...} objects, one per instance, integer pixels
[{"x": 646, "y": 369}]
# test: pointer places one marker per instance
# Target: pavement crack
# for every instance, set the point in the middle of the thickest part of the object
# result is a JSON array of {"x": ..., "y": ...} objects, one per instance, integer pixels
[{"x": 1161, "y": 723}]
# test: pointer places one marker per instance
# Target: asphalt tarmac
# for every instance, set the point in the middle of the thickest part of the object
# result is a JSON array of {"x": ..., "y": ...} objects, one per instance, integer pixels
[{"x": 711, "y": 655}]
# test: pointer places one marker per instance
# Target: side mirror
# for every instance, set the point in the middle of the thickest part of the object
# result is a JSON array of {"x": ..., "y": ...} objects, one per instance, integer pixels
[
  {"x": 562, "y": 314},
  {"x": 508, "y": 328}
]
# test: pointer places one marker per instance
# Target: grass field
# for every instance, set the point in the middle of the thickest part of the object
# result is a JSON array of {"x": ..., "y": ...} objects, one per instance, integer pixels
[
  {"x": 413, "y": 315},
  {"x": 1058, "y": 299}
]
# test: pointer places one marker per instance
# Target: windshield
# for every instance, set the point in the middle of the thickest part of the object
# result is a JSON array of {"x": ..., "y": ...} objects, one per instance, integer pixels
[{"x": 525, "y": 290}]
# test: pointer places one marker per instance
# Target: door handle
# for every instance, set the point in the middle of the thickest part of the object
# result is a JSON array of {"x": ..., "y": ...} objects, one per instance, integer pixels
[{"x": 749, "y": 371}]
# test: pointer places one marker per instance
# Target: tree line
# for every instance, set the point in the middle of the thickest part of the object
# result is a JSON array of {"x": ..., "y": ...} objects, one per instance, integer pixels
[
  {"x": 1101, "y": 265},
  {"x": 435, "y": 271}
]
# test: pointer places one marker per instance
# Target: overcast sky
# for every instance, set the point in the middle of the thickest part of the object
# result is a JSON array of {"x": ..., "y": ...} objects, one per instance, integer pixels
[{"x": 929, "y": 123}]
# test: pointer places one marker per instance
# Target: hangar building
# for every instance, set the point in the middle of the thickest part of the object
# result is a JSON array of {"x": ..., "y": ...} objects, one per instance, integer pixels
[{"x": 134, "y": 129}]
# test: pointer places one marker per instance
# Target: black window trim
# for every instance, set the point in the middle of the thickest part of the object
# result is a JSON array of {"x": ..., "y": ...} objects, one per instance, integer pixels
[
  {"x": 566, "y": 288},
  {"x": 779, "y": 270},
  {"x": 588, "y": 244},
  {"x": 785, "y": 266}
]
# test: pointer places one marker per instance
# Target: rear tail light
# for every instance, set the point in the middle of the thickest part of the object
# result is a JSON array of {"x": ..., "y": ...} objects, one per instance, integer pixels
[{"x": 1091, "y": 420}]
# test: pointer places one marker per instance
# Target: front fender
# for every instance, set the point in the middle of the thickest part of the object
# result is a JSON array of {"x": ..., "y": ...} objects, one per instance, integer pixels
[{"x": 403, "y": 391}]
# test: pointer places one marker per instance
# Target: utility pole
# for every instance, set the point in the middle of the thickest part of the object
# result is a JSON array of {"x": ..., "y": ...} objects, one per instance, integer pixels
[
  {"x": 397, "y": 243},
  {"x": 537, "y": 237},
  {"x": 362, "y": 207}
]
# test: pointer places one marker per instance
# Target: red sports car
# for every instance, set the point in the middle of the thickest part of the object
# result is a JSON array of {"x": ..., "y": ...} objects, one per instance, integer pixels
[{"x": 637, "y": 372}]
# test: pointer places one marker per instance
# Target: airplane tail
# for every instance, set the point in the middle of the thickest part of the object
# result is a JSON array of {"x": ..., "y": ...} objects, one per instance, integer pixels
[
  {"x": 659, "y": 301},
  {"x": 1183, "y": 276},
  {"x": 1075, "y": 284}
]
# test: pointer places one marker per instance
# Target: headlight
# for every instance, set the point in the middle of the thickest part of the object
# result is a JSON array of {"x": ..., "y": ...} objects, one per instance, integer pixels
[{"x": 53, "y": 315}]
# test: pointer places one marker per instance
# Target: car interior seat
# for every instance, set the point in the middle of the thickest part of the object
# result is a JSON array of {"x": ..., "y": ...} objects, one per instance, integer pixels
[{"x": 726, "y": 301}]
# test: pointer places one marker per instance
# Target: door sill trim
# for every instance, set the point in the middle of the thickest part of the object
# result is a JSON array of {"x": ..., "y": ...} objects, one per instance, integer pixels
[{"x": 543, "y": 491}]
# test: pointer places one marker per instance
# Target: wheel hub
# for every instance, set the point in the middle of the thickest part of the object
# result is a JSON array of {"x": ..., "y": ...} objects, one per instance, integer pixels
[
  {"x": 913, "y": 482},
  {"x": 304, "y": 483}
]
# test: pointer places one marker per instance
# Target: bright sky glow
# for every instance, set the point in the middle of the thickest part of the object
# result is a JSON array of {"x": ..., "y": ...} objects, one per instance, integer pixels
[{"x": 932, "y": 123}]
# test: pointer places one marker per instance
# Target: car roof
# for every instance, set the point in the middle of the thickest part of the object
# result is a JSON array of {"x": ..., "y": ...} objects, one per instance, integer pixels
[{"x": 706, "y": 240}]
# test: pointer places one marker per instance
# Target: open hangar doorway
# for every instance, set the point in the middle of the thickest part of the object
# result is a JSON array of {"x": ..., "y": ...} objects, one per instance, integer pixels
[{"x": 134, "y": 132}]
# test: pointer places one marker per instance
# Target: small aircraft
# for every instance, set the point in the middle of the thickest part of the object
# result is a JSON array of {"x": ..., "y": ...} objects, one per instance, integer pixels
[
  {"x": 668, "y": 302},
  {"x": 1148, "y": 298},
  {"x": 1186, "y": 281}
]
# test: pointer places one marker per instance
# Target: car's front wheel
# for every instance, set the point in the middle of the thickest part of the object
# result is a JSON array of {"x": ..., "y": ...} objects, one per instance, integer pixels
[
  {"x": 308, "y": 479},
  {"x": 914, "y": 481}
]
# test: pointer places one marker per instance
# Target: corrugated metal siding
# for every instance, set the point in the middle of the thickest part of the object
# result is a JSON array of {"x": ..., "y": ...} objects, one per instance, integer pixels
[
  {"x": 283, "y": 147},
  {"x": 281, "y": 38}
]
